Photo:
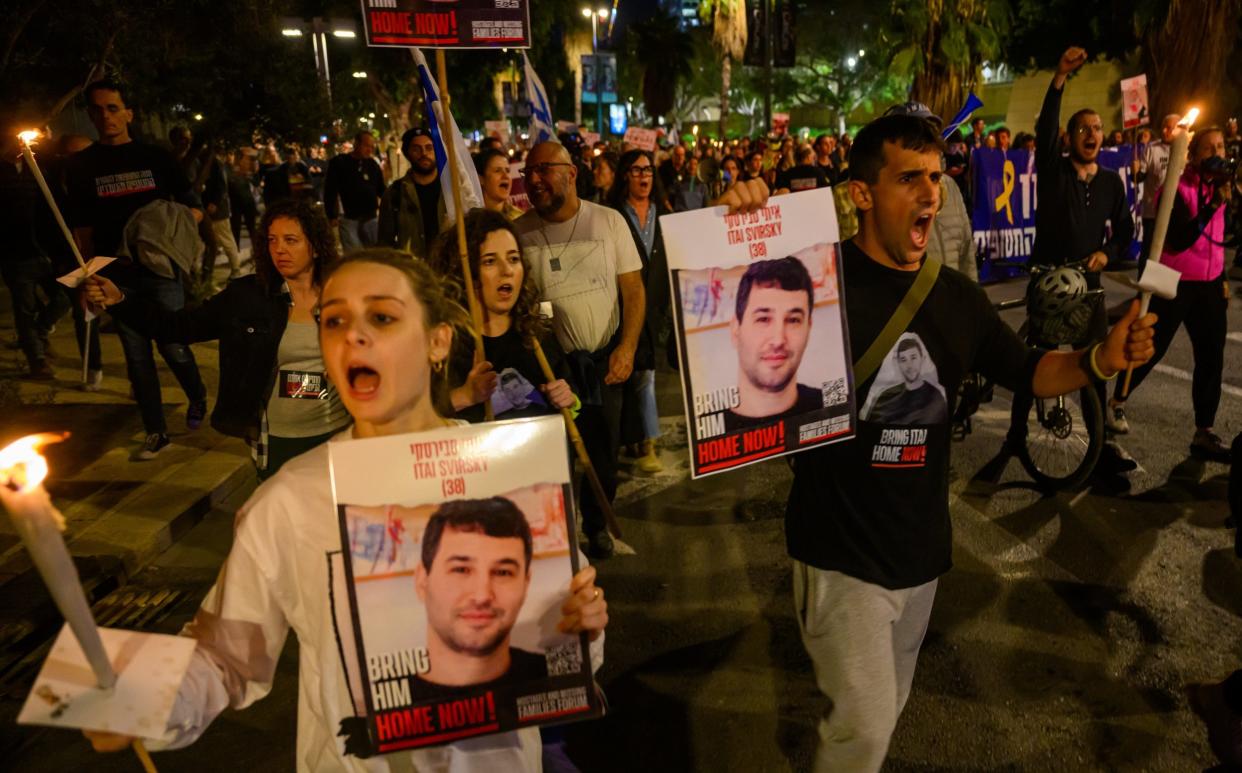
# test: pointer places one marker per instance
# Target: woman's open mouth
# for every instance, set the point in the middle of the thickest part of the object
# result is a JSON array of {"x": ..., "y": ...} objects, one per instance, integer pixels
[{"x": 363, "y": 381}]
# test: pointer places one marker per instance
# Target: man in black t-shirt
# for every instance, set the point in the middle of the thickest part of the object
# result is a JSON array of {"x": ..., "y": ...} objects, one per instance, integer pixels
[
  {"x": 770, "y": 330},
  {"x": 473, "y": 577},
  {"x": 108, "y": 182},
  {"x": 867, "y": 523},
  {"x": 805, "y": 176},
  {"x": 352, "y": 189}
]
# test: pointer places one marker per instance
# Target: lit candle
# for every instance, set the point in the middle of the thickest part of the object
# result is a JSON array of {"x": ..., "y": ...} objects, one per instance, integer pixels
[
  {"x": 1154, "y": 273},
  {"x": 28, "y": 138},
  {"x": 39, "y": 524}
]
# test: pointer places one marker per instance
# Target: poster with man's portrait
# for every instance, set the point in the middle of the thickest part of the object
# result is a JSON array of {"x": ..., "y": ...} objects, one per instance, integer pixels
[
  {"x": 759, "y": 318},
  {"x": 458, "y": 548}
]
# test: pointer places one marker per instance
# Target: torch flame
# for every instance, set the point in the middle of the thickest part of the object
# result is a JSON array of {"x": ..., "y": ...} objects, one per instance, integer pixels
[
  {"x": 29, "y": 137},
  {"x": 1189, "y": 120},
  {"x": 22, "y": 467}
]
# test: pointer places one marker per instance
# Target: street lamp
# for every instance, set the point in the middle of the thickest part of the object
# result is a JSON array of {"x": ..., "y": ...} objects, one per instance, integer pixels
[
  {"x": 596, "y": 17},
  {"x": 360, "y": 74},
  {"x": 319, "y": 28}
]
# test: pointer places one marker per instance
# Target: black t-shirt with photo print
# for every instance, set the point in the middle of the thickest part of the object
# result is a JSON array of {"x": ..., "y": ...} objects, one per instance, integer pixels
[
  {"x": 877, "y": 507},
  {"x": 508, "y": 352}
]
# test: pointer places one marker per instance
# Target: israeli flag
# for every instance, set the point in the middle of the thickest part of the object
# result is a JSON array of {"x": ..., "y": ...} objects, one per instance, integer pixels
[
  {"x": 542, "y": 127},
  {"x": 471, "y": 192},
  {"x": 973, "y": 103}
]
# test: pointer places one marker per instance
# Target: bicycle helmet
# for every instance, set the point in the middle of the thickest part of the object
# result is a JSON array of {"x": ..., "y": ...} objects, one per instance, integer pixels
[{"x": 1056, "y": 291}]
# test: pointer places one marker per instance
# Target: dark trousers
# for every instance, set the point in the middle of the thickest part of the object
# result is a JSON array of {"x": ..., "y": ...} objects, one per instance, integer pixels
[
  {"x": 1201, "y": 307},
  {"x": 236, "y": 219},
  {"x": 168, "y": 294},
  {"x": 1149, "y": 225},
  {"x": 600, "y": 427},
  {"x": 38, "y": 302}
]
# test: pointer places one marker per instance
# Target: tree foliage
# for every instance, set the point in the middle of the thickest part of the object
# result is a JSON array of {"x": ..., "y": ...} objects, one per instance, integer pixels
[{"x": 665, "y": 52}]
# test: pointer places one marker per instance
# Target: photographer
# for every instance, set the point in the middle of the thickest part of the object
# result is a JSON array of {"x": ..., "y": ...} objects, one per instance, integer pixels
[{"x": 1195, "y": 248}]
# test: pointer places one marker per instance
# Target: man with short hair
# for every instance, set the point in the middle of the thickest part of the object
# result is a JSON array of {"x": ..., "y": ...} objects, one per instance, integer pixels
[
  {"x": 108, "y": 182},
  {"x": 867, "y": 522},
  {"x": 770, "y": 330},
  {"x": 753, "y": 170},
  {"x": 1003, "y": 139},
  {"x": 352, "y": 189},
  {"x": 806, "y": 175},
  {"x": 413, "y": 211},
  {"x": 1083, "y": 215},
  {"x": 978, "y": 134},
  {"x": 473, "y": 578},
  {"x": 584, "y": 261}
]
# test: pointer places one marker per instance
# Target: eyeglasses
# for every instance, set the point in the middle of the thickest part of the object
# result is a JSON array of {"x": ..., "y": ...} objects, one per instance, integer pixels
[
  {"x": 1085, "y": 129},
  {"x": 543, "y": 170},
  {"x": 641, "y": 171}
]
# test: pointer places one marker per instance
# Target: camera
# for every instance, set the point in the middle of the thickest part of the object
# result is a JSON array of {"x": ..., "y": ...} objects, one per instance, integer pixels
[{"x": 1217, "y": 169}]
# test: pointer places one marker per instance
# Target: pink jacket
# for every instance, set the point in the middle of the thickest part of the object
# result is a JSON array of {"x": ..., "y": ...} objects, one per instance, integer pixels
[{"x": 1205, "y": 259}]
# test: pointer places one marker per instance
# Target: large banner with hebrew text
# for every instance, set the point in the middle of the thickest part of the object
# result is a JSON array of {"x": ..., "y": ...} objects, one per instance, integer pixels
[{"x": 1005, "y": 204}]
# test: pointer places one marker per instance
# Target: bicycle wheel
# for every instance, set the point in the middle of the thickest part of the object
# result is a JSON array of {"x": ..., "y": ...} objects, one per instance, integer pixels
[{"x": 1064, "y": 437}]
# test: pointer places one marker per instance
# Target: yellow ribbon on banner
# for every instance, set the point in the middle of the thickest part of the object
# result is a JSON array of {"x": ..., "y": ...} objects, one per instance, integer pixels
[{"x": 1002, "y": 201}]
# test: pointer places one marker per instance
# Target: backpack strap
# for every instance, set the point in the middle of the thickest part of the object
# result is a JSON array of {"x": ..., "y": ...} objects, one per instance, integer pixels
[{"x": 866, "y": 366}]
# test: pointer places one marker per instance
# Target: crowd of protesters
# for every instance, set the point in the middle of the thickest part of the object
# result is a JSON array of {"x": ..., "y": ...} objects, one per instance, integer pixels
[{"x": 578, "y": 227}]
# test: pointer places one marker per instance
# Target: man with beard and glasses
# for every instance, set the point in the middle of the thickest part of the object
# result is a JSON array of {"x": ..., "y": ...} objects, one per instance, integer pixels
[
  {"x": 1082, "y": 214},
  {"x": 584, "y": 260},
  {"x": 473, "y": 579},
  {"x": 770, "y": 330},
  {"x": 412, "y": 210},
  {"x": 867, "y": 522}
]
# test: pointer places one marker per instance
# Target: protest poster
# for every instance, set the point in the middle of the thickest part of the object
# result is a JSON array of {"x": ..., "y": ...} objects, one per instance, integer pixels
[
  {"x": 439, "y": 24},
  {"x": 643, "y": 139},
  {"x": 780, "y": 124},
  {"x": 459, "y": 547},
  {"x": 759, "y": 318},
  {"x": 1004, "y": 208},
  {"x": 1134, "y": 102},
  {"x": 517, "y": 186},
  {"x": 497, "y": 129}
]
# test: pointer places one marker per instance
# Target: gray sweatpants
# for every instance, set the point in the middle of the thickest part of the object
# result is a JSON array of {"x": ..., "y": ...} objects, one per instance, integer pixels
[{"x": 864, "y": 641}]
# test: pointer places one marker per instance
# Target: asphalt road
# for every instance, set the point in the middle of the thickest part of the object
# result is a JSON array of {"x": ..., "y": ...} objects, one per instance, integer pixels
[{"x": 1060, "y": 640}]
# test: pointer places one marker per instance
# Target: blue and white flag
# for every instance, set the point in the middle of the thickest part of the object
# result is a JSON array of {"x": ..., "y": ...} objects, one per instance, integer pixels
[
  {"x": 443, "y": 125},
  {"x": 973, "y": 103},
  {"x": 542, "y": 127}
]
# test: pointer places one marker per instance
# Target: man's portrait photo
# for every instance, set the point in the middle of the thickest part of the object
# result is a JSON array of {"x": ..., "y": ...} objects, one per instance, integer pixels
[
  {"x": 473, "y": 577},
  {"x": 770, "y": 330},
  {"x": 916, "y": 397}
]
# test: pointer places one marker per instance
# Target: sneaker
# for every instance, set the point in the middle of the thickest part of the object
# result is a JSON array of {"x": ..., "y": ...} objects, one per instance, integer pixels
[
  {"x": 600, "y": 545},
  {"x": 1115, "y": 461},
  {"x": 1223, "y": 726},
  {"x": 1208, "y": 445},
  {"x": 1115, "y": 420},
  {"x": 41, "y": 371},
  {"x": 195, "y": 413},
  {"x": 151, "y": 447},
  {"x": 94, "y": 381}
]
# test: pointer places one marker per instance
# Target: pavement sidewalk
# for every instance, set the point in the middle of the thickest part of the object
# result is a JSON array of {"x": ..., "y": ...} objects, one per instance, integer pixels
[{"x": 120, "y": 514}]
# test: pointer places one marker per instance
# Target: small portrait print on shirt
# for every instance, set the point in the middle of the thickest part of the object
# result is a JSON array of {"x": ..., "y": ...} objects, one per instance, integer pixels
[
  {"x": 907, "y": 388},
  {"x": 514, "y": 392}
]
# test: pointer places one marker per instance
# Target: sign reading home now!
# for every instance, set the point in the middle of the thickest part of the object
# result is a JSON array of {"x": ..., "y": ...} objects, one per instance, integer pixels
[
  {"x": 759, "y": 317},
  {"x": 447, "y": 23}
]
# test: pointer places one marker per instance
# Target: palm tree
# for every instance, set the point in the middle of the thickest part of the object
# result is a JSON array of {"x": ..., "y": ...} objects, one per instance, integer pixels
[
  {"x": 665, "y": 51},
  {"x": 728, "y": 19},
  {"x": 948, "y": 43}
]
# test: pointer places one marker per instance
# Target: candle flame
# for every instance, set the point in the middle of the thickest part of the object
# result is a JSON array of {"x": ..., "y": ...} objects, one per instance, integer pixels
[
  {"x": 1189, "y": 120},
  {"x": 29, "y": 137},
  {"x": 22, "y": 467}
]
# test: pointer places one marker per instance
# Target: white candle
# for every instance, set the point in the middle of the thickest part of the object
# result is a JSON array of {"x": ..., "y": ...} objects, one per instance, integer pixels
[
  {"x": 28, "y": 138},
  {"x": 39, "y": 524},
  {"x": 1177, "y": 163}
]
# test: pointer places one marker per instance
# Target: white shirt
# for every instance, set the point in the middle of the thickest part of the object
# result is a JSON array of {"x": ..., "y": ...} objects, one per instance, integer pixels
[
  {"x": 575, "y": 265},
  {"x": 277, "y": 578},
  {"x": 1154, "y": 165}
]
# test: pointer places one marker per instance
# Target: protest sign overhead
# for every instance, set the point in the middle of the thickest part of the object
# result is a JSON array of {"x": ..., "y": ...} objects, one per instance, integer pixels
[
  {"x": 455, "y": 24},
  {"x": 760, "y": 325}
]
